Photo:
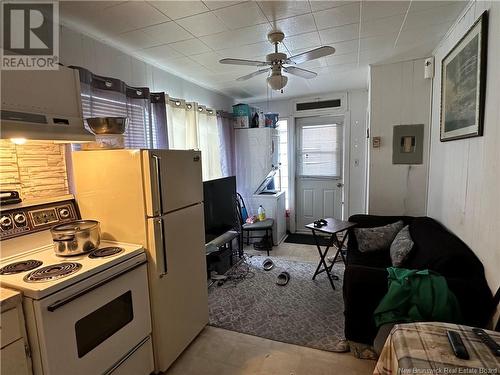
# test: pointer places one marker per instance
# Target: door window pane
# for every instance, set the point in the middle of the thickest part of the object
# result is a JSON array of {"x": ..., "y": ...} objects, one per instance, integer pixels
[{"x": 320, "y": 154}]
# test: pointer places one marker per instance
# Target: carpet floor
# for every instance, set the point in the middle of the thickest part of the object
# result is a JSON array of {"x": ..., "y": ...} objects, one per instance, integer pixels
[{"x": 304, "y": 312}]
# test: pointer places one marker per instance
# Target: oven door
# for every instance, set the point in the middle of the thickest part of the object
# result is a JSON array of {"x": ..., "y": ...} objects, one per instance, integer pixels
[{"x": 88, "y": 329}]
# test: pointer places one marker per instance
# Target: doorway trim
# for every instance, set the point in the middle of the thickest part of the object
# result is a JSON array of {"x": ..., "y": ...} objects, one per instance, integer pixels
[{"x": 292, "y": 148}]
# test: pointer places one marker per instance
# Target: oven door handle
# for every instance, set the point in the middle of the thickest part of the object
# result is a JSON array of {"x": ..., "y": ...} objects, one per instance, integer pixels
[{"x": 58, "y": 304}]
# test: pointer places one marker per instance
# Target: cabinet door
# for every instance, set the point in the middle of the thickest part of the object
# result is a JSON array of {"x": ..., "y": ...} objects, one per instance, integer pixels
[{"x": 14, "y": 361}]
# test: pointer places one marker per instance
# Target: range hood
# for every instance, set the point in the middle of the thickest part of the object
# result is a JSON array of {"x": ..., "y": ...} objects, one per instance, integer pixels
[{"x": 42, "y": 105}]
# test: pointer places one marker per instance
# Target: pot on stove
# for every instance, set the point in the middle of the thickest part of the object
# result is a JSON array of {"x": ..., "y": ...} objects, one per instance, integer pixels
[{"x": 76, "y": 237}]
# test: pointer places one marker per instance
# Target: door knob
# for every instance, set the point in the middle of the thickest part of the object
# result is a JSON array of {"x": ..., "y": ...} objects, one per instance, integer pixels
[{"x": 340, "y": 184}]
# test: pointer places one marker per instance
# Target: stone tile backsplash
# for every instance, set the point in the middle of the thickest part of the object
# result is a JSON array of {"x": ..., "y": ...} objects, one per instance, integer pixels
[{"x": 36, "y": 169}]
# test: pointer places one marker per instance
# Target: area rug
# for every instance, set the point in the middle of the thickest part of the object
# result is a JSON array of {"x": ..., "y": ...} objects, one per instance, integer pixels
[{"x": 304, "y": 312}]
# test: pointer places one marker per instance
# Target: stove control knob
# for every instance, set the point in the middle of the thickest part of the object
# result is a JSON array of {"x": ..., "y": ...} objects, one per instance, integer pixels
[
  {"x": 64, "y": 213},
  {"x": 20, "y": 219},
  {"x": 5, "y": 222}
]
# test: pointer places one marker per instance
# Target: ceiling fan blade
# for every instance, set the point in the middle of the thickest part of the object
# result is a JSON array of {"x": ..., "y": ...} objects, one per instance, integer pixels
[
  {"x": 251, "y": 75},
  {"x": 311, "y": 55},
  {"x": 243, "y": 62},
  {"x": 300, "y": 72}
]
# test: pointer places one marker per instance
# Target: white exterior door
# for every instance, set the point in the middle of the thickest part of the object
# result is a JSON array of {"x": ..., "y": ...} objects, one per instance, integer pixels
[{"x": 319, "y": 183}]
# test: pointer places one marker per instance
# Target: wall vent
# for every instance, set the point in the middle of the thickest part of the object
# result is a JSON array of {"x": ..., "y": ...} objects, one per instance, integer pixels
[{"x": 319, "y": 104}]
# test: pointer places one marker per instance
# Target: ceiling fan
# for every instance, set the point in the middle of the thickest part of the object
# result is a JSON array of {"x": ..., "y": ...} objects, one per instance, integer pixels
[{"x": 276, "y": 61}]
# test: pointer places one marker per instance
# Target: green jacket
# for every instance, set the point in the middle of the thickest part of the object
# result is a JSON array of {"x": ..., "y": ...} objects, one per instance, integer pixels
[{"x": 415, "y": 296}]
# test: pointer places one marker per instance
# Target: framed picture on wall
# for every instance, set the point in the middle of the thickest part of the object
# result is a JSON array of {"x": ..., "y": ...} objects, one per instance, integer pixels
[{"x": 463, "y": 84}]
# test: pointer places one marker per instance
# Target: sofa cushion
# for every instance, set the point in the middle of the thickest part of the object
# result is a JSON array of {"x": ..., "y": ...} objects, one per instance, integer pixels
[
  {"x": 401, "y": 247},
  {"x": 377, "y": 238}
]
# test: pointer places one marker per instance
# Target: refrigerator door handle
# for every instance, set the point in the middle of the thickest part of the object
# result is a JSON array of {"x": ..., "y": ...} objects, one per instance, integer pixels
[
  {"x": 157, "y": 170},
  {"x": 161, "y": 249}
]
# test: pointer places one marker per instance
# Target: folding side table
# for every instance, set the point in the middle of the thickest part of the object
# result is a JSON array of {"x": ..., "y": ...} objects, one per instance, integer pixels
[{"x": 332, "y": 228}]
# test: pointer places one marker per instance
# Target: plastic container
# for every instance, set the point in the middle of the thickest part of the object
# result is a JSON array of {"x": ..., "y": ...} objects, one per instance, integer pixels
[
  {"x": 261, "y": 213},
  {"x": 271, "y": 119}
]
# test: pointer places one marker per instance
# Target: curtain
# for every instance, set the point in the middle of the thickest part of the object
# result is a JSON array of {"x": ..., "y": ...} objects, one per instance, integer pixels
[
  {"x": 193, "y": 126},
  {"x": 159, "y": 120},
  {"x": 105, "y": 96},
  {"x": 226, "y": 143},
  {"x": 182, "y": 125},
  {"x": 208, "y": 141}
]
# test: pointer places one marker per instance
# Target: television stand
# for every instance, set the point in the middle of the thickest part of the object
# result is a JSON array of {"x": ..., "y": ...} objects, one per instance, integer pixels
[{"x": 220, "y": 254}]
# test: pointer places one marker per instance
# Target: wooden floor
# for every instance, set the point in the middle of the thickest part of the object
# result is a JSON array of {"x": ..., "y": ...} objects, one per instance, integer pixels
[{"x": 221, "y": 352}]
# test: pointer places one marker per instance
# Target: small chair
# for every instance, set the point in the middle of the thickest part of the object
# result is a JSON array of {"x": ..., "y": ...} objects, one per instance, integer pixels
[{"x": 265, "y": 225}]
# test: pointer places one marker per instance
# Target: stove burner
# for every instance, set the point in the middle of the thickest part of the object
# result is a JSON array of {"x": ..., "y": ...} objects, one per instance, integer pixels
[
  {"x": 18, "y": 267},
  {"x": 52, "y": 272},
  {"x": 105, "y": 252}
]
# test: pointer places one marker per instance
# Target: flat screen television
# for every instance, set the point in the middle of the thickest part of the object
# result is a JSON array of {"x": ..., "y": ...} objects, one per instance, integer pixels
[{"x": 220, "y": 215}]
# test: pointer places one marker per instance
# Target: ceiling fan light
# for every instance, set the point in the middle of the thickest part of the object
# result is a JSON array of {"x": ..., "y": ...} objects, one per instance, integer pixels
[{"x": 277, "y": 82}]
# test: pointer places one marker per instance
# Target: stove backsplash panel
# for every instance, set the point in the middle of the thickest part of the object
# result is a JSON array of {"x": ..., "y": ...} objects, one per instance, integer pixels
[{"x": 36, "y": 169}]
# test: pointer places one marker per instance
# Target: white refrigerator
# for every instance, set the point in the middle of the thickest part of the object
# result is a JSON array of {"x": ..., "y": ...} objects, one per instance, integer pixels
[{"x": 154, "y": 197}]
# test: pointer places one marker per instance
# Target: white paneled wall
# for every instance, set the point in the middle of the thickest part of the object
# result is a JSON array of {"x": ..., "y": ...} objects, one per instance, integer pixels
[
  {"x": 82, "y": 50},
  {"x": 464, "y": 177},
  {"x": 399, "y": 95}
]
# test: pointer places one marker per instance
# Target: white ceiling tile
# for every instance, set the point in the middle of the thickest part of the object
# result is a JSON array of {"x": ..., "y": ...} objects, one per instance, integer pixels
[
  {"x": 203, "y": 24},
  {"x": 275, "y": 10},
  {"x": 216, "y": 4},
  {"x": 136, "y": 39},
  {"x": 338, "y": 16},
  {"x": 297, "y": 25},
  {"x": 129, "y": 16},
  {"x": 350, "y": 58},
  {"x": 317, "y": 5},
  {"x": 308, "y": 40},
  {"x": 237, "y": 38},
  {"x": 434, "y": 16},
  {"x": 248, "y": 51},
  {"x": 420, "y": 5},
  {"x": 382, "y": 26},
  {"x": 343, "y": 48},
  {"x": 379, "y": 9},
  {"x": 190, "y": 47},
  {"x": 339, "y": 34},
  {"x": 167, "y": 32},
  {"x": 313, "y": 65},
  {"x": 141, "y": 25},
  {"x": 209, "y": 60},
  {"x": 377, "y": 43},
  {"x": 191, "y": 68},
  {"x": 411, "y": 37},
  {"x": 180, "y": 9},
  {"x": 241, "y": 15},
  {"x": 161, "y": 53}
]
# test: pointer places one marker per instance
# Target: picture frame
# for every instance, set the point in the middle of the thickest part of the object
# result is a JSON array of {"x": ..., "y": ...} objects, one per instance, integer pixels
[{"x": 463, "y": 84}]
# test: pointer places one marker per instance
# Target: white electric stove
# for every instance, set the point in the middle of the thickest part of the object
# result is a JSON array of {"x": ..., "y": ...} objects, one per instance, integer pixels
[
  {"x": 47, "y": 273},
  {"x": 85, "y": 314}
]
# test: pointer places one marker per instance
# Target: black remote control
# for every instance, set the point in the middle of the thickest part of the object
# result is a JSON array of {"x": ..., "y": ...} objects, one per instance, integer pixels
[
  {"x": 457, "y": 345},
  {"x": 490, "y": 343}
]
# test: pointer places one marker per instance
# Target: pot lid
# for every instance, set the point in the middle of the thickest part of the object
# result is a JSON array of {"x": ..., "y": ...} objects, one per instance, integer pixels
[{"x": 75, "y": 226}]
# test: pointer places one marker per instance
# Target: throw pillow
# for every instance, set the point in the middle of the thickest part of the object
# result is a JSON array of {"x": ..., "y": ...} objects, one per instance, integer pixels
[
  {"x": 401, "y": 247},
  {"x": 378, "y": 238}
]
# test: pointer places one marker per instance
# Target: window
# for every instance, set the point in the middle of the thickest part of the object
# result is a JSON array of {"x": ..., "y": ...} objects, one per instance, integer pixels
[
  {"x": 283, "y": 157},
  {"x": 320, "y": 149}
]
